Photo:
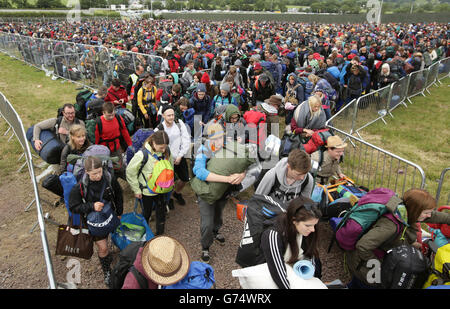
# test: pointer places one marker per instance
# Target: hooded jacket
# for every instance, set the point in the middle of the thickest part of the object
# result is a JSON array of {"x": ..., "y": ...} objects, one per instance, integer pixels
[
  {"x": 379, "y": 238},
  {"x": 201, "y": 106},
  {"x": 298, "y": 92},
  {"x": 290, "y": 192},
  {"x": 235, "y": 130}
]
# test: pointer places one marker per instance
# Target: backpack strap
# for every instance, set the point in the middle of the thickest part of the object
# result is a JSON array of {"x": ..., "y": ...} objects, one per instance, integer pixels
[
  {"x": 142, "y": 281},
  {"x": 145, "y": 152}
]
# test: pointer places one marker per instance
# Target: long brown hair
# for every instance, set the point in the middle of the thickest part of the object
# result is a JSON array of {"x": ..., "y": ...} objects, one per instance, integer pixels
[
  {"x": 297, "y": 212},
  {"x": 159, "y": 138},
  {"x": 416, "y": 201}
]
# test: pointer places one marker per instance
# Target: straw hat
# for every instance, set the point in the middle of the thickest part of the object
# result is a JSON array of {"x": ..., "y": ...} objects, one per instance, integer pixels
[
  {"x": 215, "y": 130},
  {"x": 335, "y": 142},
  {"x": 165, "y": 260}
]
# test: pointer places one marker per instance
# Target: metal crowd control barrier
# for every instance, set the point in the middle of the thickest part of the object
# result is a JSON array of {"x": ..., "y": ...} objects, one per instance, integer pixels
[
  {"x": 439, "y": 189},
  {"x": 8, "y": 113},
  {"x": 367, "y": 109},
  {"x": 91, "y": 66},
  {"x": 373, "y": 167}
]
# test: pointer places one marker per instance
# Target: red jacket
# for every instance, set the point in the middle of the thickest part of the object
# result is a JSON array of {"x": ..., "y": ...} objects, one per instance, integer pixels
[
  {"x": 111, "y": 133},
  {"x": 114, "y": 95},
  {"x": 131, "y": 282}
]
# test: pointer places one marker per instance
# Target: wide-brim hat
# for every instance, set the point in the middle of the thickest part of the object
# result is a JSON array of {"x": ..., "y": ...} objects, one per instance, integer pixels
[
  {"x": 165, "y": 260},
  {"x": 335, "y": 142},
  {"x": 275, "y": 100}
]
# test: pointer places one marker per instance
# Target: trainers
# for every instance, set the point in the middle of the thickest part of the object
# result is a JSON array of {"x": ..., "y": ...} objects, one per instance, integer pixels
[
  {"x": 205, "y": 256},
  {"x": 179, "y": 198},
  {"x": 220, "y": 239}
]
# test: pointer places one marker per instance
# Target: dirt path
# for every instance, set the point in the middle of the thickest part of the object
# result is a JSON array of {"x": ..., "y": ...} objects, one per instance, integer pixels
[{"x": 22, "y": 263}]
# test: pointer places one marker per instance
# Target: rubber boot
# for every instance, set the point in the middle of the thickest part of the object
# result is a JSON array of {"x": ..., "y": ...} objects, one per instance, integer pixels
[{"x": 105, "y": 262}]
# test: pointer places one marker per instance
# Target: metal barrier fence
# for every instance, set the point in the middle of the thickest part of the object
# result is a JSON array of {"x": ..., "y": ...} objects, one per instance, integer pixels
[
  {"x": 8, "y": 113},
  {"x": 367, "y": 109},
  {"x": 88, "y": 65},
  {"x": 373, "y": 167}
]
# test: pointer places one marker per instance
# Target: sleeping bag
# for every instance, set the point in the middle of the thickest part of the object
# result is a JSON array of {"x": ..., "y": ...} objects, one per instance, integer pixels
[
  {"x": 225, "y": 162},
  {"x": 51, "y": 146}
]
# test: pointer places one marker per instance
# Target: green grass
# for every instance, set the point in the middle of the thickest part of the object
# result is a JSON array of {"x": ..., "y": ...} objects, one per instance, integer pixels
[
  {"x": 35, "y": 97},
  {"x": 419, "y": 133}
]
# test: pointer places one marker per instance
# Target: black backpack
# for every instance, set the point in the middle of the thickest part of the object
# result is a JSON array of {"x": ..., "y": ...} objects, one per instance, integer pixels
[
  {"x": 404, "y": 267},
  {"x": 125, "y": 264},
  {"x": 260, "y": 215},
  {"x": 80, "y": 105}
]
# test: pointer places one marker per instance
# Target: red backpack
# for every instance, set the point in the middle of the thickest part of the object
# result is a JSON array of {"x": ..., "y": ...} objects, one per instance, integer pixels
[
  {"x": 254, "y": 119},
  {"x": 174, "y": 65}
]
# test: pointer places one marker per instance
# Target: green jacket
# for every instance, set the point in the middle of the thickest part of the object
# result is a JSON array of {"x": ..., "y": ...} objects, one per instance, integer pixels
[
  {"x": 135, "y": 180},
  {"x": 380, "y": 236}
]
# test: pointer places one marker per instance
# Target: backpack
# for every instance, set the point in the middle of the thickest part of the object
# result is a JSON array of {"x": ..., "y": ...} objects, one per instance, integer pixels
[
  {"x": 200, "y": 276},
  {"x": 133, "y": 94},
  {"x": 272, "y": 68},
  {"x": 128, "y": 118},
  {"x": 174, "y": 65},
  {"x": 99, "y": 151},
  {"x": 80, "y": 106},
  {"x": 404, "y": 267},
  {"x": 94, "y": 108},
  {"x": 354, "y": 84},
  {"x": 440, "y": 268},
  {"x": 317, "y": 140},
  {"x": 125, "y": 264},
  {"x": 162, "y": 178},
  {"x": 137, "y": 140},
  {"x": 260, "y": 213},
  {"x": 359, "y": 219},
  {"x": 256, "y": 120}
]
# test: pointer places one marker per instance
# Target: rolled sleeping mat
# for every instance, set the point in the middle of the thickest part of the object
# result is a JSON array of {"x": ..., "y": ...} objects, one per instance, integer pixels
[
  {"x": 304, "y": 269},
  {"x": 51, "y": 146}
]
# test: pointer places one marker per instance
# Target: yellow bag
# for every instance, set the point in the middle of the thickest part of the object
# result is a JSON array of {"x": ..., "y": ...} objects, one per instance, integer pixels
[{"x": 440, "y": 268}]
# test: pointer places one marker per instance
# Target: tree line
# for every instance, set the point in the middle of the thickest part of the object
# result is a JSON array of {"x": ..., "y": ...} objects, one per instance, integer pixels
[{"x": 311, "y": 6}]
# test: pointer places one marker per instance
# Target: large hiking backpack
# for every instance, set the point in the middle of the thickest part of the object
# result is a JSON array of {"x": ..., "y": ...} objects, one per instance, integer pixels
[
  {"x": 272, "y": 68},
  {"x": 255, "y": 121},
  {"x": 125, "y": 264},
  {"x": 317, "y": 140},
  {"x": 260, "y": 214},
  {"x": 174, "y": 66},
  {"x": 80, "y": 106},
  {"x": 100, "y": 151},
  {"x": 200, "y": 276},
  {"x": 128, "y": 118},
  {"x": 365, "y": 213},
  {"x": 404, "y": 267},
  {"x": 137, "y": 141}
]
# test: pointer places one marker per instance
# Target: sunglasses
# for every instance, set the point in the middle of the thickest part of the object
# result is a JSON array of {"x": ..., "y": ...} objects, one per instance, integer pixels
[{"x": 311, "y": 206}]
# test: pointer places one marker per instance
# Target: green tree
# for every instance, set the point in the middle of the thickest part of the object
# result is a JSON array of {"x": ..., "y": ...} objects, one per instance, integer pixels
[{"x": 5, "y": 4}]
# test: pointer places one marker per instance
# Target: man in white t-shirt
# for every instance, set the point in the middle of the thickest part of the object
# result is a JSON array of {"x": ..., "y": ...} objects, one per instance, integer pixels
[{"x": 179, "y": 145}]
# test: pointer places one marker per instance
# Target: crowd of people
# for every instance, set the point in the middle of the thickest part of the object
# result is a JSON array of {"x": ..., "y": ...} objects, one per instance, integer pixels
[{"x": 224, "y": 77}]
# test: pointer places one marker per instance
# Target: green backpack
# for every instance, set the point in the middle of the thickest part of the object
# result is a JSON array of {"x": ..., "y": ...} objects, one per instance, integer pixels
[{"x": 162, "y": 178}]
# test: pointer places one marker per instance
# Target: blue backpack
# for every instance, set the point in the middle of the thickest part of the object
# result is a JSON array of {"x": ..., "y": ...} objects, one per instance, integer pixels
[
  {"x": 272, "y": 68},
  {"x": 200, "y": 276},
  {"x": 137, "y": 141}
]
